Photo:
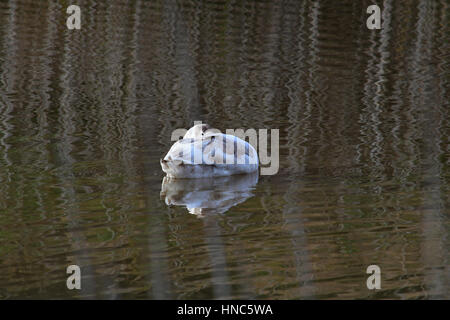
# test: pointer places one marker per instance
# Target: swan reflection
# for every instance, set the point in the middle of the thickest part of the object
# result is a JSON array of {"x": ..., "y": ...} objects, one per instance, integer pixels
[{"x": 208, "y": 195}]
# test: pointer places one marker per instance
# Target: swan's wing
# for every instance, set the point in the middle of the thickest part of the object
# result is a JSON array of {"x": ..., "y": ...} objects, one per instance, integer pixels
[
  {"x": 214, "y": 149},
  {"x": 230, "y": 149}
]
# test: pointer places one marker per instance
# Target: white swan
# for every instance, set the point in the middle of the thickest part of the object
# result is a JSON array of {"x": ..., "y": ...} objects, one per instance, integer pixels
[{"x": 204, "y": 152}]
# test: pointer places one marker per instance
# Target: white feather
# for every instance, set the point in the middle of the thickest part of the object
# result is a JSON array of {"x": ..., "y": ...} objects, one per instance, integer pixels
[{"x": 209, "y": 154}]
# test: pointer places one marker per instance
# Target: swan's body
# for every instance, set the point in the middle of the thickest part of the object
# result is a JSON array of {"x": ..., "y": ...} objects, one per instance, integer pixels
[{"x": 203, "y": 154}]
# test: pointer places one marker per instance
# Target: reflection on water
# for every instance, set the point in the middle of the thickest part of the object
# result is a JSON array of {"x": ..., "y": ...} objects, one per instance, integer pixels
[
  {"x": 363, "y": 116},
  {"x": 208, "y": 195}
]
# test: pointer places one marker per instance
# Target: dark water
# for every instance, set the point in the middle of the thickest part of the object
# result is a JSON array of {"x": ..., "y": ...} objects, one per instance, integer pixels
[{"x": 364, "y": 177}]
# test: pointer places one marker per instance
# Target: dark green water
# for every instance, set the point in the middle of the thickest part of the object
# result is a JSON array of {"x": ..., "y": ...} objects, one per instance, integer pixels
[{"x": 85, "y": 116}]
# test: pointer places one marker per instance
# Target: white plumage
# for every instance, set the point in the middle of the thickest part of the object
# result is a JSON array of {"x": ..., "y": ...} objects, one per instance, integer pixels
[{"x": 205, "y": 152}]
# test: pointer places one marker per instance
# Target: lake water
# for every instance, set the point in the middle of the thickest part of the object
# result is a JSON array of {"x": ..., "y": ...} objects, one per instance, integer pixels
[{"x": 363, "y": 119}]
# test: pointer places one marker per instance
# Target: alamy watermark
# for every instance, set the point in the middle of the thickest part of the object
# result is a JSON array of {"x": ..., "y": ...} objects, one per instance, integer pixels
[
  {"x": 74, "y": 280},
  {"x": 258, "y": 139},
  {"x": 374, "y": 20},
  {"x": 374, "y": 281},
  {"x": 74, "y": 20}
]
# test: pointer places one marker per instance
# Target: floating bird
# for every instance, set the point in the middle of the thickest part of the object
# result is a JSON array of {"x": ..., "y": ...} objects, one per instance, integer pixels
[{"x": 204, "y": 152}]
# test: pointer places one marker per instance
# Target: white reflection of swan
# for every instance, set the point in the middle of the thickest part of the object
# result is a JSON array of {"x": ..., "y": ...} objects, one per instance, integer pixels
[{"x": 208, "y": 195}]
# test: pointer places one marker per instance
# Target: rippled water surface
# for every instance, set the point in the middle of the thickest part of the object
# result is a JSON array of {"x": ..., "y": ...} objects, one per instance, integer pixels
[{"x": 85, "y": 116}]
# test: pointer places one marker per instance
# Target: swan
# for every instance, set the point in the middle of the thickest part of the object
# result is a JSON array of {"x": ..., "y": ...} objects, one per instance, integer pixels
[{"x": 205, "y": 152}]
